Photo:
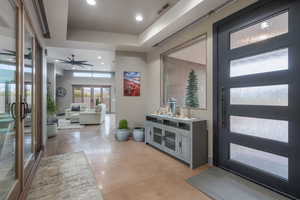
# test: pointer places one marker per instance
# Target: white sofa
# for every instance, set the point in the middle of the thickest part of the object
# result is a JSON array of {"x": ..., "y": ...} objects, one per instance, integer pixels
[
  {"x": 69, "y": 113},
  {"x": 96, "y": 116}
]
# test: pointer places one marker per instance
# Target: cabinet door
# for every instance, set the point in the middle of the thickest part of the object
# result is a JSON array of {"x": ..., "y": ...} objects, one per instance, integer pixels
[
  {"x": 148, "y": 138},
  {"x": 184, "y": 150},
  {"x": 157, "y": 137},
  {"x": 170, "y": 141}
]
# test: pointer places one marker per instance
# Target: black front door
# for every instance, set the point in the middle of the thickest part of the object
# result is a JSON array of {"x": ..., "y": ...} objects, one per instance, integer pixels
[{"x": 257, "y": 94}]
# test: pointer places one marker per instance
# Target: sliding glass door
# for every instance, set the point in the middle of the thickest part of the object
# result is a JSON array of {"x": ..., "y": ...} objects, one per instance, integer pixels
[
  {"x": 18, "y": 143},
  {"x": 90, "y": 94},
  {"x": 258, "y": 94},
  {"x": 9, "y": 177},
  {"x": 28, "y": 99}
]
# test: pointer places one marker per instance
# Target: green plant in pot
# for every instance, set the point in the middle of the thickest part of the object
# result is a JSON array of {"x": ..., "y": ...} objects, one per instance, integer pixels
[
  {"x": 51, "y": 107},
  {"x": 51, "y": 111},
  {"x": 97, "y": 101},
  {"x": 122, "y": 131}
]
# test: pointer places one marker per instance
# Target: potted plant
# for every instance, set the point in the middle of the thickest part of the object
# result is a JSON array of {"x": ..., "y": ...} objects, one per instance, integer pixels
[
  {"x": 51, "y": 121},
  {"x": 122, "y": 131},
  {"x": 138, "y": 134},
  {"x": 97, "y": 101}
]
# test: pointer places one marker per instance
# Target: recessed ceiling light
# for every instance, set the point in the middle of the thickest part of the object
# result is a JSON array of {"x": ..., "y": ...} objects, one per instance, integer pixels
[
  {"x": 264, "y": 25},
  {"x": 102, "y": 63},
  {"x": 91, "y": 2},
  {"x": 56, "y": 60},
  {"x": 99, "y": 57},
  {"x": 139, "y": 18}
]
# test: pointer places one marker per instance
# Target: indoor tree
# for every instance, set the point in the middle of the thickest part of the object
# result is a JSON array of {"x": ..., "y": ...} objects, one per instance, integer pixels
[{"x": 191, "y": 97}]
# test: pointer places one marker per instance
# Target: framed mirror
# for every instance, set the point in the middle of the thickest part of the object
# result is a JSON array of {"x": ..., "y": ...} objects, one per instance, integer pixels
[{"x": 184, "y": 74}]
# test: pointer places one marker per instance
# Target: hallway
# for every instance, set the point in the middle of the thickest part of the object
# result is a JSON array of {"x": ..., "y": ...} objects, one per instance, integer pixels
[{"x": 127, "y": 170}]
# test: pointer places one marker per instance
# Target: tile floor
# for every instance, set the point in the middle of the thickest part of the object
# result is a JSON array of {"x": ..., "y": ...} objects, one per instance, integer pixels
[{"x": 127, "y": 170}]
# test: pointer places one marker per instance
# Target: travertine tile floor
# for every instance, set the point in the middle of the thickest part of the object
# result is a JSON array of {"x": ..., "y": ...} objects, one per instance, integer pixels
[{"x": 128, "y": 170}]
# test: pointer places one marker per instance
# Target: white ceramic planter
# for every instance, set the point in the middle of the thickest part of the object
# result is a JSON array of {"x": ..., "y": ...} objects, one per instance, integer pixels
[
  {"x": 122, "y": 134},
  {"x": 138, "y": 134},
  {"x": 51, "y": 130}
]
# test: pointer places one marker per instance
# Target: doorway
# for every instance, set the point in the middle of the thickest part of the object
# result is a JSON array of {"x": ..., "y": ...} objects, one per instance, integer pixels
[
  {"x": 90, "y": 94},
  {"x": 256, "y": 94}
]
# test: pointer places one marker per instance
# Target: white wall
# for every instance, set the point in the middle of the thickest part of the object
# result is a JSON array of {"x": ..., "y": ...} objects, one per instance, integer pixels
[
  {"x": 199, "y": 28},
  {"x": 131, "y": 108},
  {"x": 67, "y": 80}
]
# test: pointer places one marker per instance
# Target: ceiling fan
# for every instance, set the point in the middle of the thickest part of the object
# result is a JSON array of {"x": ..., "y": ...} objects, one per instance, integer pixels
[
  {"x": 71, "y": 60},
  {"x": 7, "y": 52}
]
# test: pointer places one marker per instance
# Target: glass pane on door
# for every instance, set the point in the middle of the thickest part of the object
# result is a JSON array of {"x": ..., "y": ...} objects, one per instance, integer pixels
[
  {"x": 7, "y": 97},
  {"x": 170, "y": 140},
  {"x": 77, "y": 95},
  {"x": 97, "y": 96},
  {"x": 157, "y": 135},
  {"x": 107, "y": 98},
  {"x": 266, "y": 62},
  {"x": 261, "y": 31},
  {"x": 28, "y": 97},
  {"x": 271, "y": 95},
  {"x": 87, "y": 96},
  {"x": 263, "y": 128},
  {"x": 268, "y": 162}
]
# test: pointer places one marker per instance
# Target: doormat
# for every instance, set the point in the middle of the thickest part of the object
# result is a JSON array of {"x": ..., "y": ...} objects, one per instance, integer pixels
[{"x": 222, "y": 185}]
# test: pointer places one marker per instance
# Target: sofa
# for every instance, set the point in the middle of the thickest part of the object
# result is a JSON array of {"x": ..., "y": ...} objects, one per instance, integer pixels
[
  {"x": 95, "y": 116},
  {"x": 72, "y": 111}
]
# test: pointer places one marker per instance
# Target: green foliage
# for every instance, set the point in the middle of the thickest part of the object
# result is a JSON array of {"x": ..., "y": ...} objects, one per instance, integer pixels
[
  {"x": 51, "y": 106},
  {"x": 191, "y": 98},
  {"x": 97, "y": 101},
  {"x": 123, "y": 124}
]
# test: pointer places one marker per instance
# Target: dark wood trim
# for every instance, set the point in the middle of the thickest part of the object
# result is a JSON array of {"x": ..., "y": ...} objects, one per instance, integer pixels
[
  {"x": 215, "y": 97},
  {"x": 31, "y": 174},
  {"x": 40, "y": 10}
]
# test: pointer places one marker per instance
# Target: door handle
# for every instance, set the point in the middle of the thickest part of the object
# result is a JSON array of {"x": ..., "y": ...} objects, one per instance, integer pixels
[
  {"x": 23, "y": 110},
  {"x": 223, "y": 107},
  {"x": 13, "y": 110}
]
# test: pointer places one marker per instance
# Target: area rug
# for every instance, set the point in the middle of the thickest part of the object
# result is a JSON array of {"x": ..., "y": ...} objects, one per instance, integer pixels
[
  {"x": 65, "y": 177},
  {"x": 64, "y": 124},
  {"x": 222, "y": 185}
]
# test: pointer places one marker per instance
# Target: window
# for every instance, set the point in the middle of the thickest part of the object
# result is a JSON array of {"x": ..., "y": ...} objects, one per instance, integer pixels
[
  {"x": 179, "y": 65},
  {"x": 92, "y": 75}
]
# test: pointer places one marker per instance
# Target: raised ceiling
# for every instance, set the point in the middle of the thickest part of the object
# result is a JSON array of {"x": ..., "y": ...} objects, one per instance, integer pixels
[
  {"x": 116, "y": 16},
  {"x": 106, "y": 63}
]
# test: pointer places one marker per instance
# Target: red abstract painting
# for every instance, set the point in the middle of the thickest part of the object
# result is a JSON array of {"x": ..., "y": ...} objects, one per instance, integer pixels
[{"x": 132, "y": 84}]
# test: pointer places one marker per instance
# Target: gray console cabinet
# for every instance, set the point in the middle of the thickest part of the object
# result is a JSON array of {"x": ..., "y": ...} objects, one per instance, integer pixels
[{"x": 185, "y": 139}]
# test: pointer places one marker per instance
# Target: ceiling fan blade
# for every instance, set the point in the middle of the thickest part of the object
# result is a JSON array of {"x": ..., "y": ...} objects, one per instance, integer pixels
[
  {"x": 81, "y": 61},
  {"x": 87, "y": 64},
  {"x": 7, "y": 54}
]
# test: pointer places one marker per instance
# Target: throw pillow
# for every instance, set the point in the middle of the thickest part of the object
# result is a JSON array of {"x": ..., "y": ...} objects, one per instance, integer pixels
[{"x": 75, "y": 108}]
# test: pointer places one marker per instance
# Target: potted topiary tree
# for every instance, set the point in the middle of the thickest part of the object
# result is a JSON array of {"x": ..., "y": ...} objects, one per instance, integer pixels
[{"x": 122, "y": 131}]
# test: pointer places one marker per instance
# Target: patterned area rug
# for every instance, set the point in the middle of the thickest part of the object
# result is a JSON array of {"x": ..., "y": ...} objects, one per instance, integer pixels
[
  {"x": 64, "y": 124},
  {"x": 65, "y": 177}
]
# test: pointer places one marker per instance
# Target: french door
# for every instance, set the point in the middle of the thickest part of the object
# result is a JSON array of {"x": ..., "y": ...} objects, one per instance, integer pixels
[
  {"x": 90, "y": 94},
  {"x": 257, "y": 103}
]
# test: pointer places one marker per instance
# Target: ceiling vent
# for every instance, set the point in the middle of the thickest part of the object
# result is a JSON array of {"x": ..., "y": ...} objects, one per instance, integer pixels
[{"x": 164, "y": 9}]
